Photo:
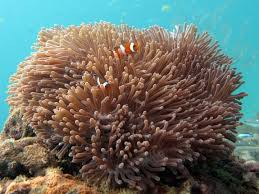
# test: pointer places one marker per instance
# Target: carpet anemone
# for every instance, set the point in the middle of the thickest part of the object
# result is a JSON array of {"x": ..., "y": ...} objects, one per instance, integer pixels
[{"x": 168, "y": 104}]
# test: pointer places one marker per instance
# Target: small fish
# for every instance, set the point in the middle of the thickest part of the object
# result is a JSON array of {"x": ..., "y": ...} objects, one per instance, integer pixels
[
  {"x": 98, "y": 82},
  {"x": 165, "y": 8},
  {"x": 245, "y": 135},
  {"x": 105, "y": 84},
  {"x": 252, "y": 122},
  {"x": 126, "y": 49}
]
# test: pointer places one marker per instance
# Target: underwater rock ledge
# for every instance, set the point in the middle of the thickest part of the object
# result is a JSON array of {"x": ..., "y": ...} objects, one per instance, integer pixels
[{"x": 126, "y": 110}]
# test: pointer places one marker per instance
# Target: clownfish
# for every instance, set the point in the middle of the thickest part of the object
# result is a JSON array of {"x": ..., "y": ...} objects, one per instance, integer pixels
[
  {"x": 105, "y": 84},
  {"x": 126, "y": 49}
]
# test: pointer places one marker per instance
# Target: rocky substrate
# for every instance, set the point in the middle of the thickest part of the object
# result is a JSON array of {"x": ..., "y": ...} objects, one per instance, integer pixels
[
  {"x": 248, "y": 148},
  {"x": 53, "y": 182},
  {"x": 28, "y": 167}
]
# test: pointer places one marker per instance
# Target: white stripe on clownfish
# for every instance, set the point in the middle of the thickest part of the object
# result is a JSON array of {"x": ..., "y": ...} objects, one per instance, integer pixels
[
  {"x": 98, "y": 81},
  {"x": 132, "y": 47},
  {"x": 122, "y": 48},
  {"x": 106, "y": 83}
]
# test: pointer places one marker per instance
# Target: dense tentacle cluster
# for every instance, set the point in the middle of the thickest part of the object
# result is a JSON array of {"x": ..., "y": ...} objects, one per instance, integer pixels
[{"x": 169, "y": 103}]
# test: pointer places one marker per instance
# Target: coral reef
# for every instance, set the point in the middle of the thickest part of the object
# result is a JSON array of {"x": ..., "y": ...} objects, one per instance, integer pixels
[
  {"x": 24, "y": 169},
  {"x": 226, "y": 176},
  {"x": 23, "y": 156},
  {"x": 170, "y": 103},
  {"x": 32, "y": 175},
  {"x": 248, "y": 148},
  {"x": 15, "y": 128},
  {"x": 252, "y": 166},
  {"x": 54, "y": 182},
  {"x": 21, "y": 153},
  {"x": 160, "y": 120}
]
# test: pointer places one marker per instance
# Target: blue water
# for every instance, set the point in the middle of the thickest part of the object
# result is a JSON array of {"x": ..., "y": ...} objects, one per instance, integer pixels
[{"x": 234, "y": 23}]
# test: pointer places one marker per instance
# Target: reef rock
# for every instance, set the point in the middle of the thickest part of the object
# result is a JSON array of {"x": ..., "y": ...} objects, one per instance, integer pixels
[
  {"x": 23, "y": 156},
  {"x": 54, "y": 182},
  {"x": 15, "y": 127},
  {"x": 21, "y": 153}
]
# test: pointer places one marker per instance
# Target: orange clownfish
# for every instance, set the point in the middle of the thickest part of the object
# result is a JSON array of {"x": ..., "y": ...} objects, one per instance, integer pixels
[{"x": 126, "y": 49}]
